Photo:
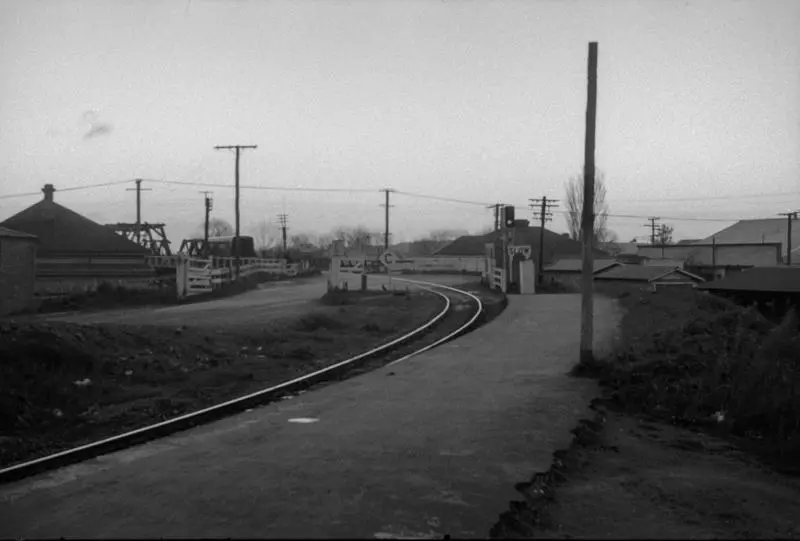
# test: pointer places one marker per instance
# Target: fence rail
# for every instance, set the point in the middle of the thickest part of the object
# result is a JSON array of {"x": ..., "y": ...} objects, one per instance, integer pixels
[{"x": 196, "y": 275}]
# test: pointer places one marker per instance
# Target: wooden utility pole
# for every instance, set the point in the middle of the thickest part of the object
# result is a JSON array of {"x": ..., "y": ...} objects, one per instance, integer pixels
[
  {"x": 209, "y": 204},
  {"x": 653, "y": 228},
  {"x": 545, "y": 216},
  {"x": 138, "y": 189},
  {"x": 386, "y": 206},
  {"x": 283, "y": 220},
  {"x": 587, "y": 219},
  {"x": 236, "y": 243},
  {"x": 791, "y": 216},
  {"x": 496, "y": 208}
]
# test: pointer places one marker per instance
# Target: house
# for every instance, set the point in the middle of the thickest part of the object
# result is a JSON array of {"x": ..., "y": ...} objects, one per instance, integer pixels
[
  {"x": 556, "y": 246},
  {"x": 617, "y": 248},
  {"x": 713, "y": 260},
  {"x": 569, "y": 271},
  {"x": 773, "y": 289},
  {"x": 648, "y": 275},
  {"x": 17, "y": 270},
  {"x": 770, "y": 230},
  {"x": 75, "y": 252}
]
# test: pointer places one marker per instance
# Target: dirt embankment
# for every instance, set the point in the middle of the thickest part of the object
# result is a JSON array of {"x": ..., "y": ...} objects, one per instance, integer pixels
[
  {"x": 697, "y": 435},
  {"x": 64, "y": 384}
]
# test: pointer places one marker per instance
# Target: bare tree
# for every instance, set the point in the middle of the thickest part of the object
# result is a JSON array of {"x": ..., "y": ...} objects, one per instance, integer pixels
[
  {"x": 217, "y": 227},
  {"x": 353, "y": 237},
  {"x": 445, "y": 235},
  {"x": 324, "y": 241},
  {"x": 266, "y": 235},
  {"x": 574, "y": 201},
  {"x": 664, "y": 235},
  {"x": 300, "y": 240}
]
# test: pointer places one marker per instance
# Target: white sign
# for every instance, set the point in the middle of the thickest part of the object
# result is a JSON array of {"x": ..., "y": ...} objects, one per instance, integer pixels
[
  {"x": 525, "y": 251},
  {"x": 387, "y": 258}
]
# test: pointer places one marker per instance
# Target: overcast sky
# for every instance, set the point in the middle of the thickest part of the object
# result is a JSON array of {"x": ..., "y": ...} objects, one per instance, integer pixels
[{"x": 474, "y": 100}]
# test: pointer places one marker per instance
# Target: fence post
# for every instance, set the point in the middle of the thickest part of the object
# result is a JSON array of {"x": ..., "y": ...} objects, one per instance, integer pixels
[{"x": 181, "y": 276}]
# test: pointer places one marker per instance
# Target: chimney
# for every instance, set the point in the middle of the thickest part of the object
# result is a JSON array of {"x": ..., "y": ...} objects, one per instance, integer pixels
[{"x": 48, "y": 192}]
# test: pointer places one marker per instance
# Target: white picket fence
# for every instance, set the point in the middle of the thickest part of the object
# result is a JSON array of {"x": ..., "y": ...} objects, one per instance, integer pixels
[{"x": 197, "y": 275}]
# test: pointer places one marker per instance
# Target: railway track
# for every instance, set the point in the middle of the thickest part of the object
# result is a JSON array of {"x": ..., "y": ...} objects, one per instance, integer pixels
[{"x": 462, "y": 312}]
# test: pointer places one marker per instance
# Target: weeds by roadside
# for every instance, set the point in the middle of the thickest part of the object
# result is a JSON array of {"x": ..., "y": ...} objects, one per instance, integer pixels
[{"x": 697, "y": 359}]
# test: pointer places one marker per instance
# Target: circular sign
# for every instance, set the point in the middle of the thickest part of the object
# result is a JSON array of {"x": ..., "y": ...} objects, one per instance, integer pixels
[{"x": 387, "y": 258}]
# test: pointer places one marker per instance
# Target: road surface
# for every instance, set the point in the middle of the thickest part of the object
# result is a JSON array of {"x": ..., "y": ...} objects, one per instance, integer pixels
[
  {"x": 271, "y": 300},
  {"x": 427, "y": 447}
]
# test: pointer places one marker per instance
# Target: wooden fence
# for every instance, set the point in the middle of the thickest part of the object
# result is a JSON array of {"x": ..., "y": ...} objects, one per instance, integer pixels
[{"x": 197, "y": 275}]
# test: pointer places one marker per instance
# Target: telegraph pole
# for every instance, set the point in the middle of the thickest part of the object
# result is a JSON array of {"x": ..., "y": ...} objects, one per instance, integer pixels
[
  {"x": 791, "y": 217},
  {"x": 386, "y": 205},
  {"x": 138, "y": 189},
  {"x": 209, "y": 204},
  {"x": 496, "y": 208},
  {"x": 544, "y": 214},
  {"x": 653, "y": 228},
  {"x": 236, "y": 243},
  {"x": 587, "y": 219},
  {"x": 283, "y": 219}
]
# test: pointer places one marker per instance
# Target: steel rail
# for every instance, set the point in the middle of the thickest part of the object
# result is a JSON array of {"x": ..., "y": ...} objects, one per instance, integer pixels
[{"x": 235, "y": 405}]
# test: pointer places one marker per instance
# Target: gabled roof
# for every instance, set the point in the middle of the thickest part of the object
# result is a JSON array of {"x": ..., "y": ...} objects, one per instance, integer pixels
[
  {"x": 779, "y": 279},
  {"x": 767, "y": 230},
  {"x": 645, "y": 273},
  {"x": 10, "y": 233},
  {"x": 61, "y": 230},
  {"x": 614, "y": 248},
  {"x": 556, "y": 246},
  {"x": 576, "y": 265}
]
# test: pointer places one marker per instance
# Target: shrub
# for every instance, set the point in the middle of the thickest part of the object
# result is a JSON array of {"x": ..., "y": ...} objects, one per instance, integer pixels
[{"x": 690, "y": 360}]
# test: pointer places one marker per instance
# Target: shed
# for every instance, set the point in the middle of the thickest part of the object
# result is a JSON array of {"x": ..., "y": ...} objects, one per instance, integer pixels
[
  {"x": 569, "y": 271},
  {"x": 17, "y": 270},
  {"x": 652, "y": 275},
  {"x": 74, "y": 251},
  {"x": 773, "y": 289}
]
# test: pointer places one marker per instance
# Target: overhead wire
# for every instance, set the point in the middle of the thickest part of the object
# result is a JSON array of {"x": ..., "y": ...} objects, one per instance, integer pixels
[
  {"x": 70, "y": 189},
  {"x": 483, "y": 204}
]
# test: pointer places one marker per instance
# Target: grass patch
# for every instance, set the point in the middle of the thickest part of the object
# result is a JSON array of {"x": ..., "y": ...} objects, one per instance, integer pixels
[
  {"x": 697, "y": 359},
  {"x": 63, "y": 384}
]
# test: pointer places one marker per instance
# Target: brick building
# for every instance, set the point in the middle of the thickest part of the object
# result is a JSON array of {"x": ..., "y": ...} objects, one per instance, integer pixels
[{"x": 17, "y": 270}]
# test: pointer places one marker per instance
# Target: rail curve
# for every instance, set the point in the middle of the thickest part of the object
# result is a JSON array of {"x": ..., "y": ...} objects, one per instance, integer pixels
[{"x": 236, "y": 405}]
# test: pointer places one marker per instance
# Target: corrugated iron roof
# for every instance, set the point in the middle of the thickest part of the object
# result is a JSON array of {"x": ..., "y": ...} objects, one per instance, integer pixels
[
  {"x": 783, "y": 279},
  {"x": 576, "y": 265},
  {"x": 10, "y": 233},
  {"x": 556, "y": 246},
  {"x": 766, "y": 230},
  {"x": 642, "y": 273},
  {"x": 61, "y": 230}
]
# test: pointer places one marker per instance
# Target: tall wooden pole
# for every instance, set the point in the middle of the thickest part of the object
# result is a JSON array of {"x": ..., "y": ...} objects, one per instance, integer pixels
[
  {"x": 139, "y": 190},
  {"x": 237, "y": 241},
  {"x": 587, "y": 219}
]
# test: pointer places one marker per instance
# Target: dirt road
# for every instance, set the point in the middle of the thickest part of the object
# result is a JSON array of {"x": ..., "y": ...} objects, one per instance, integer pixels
[
  {"x": 270, "y": 301},
  {"x": 429, "y": 446}
]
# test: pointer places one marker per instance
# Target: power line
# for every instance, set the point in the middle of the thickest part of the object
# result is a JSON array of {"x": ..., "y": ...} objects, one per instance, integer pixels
[
  {"x": 72, "y": 189},
  {"x": 448, "y": 199},
  {"x": 268, "y": 188},
  {"x": 707, "y": 198}
]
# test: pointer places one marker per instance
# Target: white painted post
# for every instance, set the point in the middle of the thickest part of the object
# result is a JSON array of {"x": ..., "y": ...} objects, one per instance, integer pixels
[
  {"x": 527, "y": 277},
  {"x": 181, "y": 276},
  {"x": 333, "y": 275}
]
